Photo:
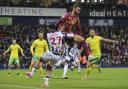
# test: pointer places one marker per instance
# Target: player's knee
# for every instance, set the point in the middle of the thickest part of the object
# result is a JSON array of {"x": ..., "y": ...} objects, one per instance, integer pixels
[
  {"x": 32, "y": 63},
  {"x": 78, "y": 62},
  {"x": 89, "y": 64},
  {"x": 79, "y": 38},
  {"x": 40, "y": 59},
  {"x": 47, "y": 76},
  {"x": 18, "y": 65},
  {"x": 66, "y": 62},
  {"x": 40, "y": 65},
  {"x": 82, "y": 39},
  {"x": 48, "y": 67},
  {"x": 9, "y": 64}
]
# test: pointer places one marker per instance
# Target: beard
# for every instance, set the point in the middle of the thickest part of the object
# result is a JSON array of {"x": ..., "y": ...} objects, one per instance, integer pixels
[{"x": 76, "y": 13}]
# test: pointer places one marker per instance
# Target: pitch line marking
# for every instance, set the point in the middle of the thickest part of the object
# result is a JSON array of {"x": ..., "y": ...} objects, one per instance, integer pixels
[{"x": 18, "y": 86}]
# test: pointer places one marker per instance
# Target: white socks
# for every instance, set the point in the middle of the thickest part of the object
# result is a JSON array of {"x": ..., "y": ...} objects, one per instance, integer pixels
[
  {"x": 46, "y": 81},
  {"x": 65, "y": 69},
  {"x": 79, "y": 68},
  {"x": 33, "y": 70},
  {"x": 77, "y": 65}
]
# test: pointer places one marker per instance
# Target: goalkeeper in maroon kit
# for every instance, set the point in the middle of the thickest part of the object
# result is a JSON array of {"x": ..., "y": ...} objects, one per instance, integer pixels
[{"x": 70, "y": 21}]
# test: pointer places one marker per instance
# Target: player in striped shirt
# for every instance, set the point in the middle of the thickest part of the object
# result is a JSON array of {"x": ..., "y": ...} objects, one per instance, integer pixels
[
  {"x": 75, "y": 54},
  {"x": 51, "y": 57}
]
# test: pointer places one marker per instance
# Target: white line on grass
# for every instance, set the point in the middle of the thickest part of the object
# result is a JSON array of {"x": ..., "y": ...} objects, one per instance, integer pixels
[{"x": 18, "y": 86}]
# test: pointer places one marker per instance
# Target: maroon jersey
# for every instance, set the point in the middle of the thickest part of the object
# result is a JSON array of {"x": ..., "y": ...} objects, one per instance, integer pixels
[{"x": 67, "y": 22}]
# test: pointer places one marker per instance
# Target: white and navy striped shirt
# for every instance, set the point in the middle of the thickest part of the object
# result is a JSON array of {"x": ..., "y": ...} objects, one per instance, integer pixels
[{"x": 74, "y": 52}]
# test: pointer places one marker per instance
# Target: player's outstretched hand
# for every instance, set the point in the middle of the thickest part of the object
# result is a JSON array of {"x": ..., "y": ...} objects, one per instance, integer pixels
[
  {"x": 23, "y": 54},
  {"x": 4, "y": 54},
  {"x": 116, "y": 42}
]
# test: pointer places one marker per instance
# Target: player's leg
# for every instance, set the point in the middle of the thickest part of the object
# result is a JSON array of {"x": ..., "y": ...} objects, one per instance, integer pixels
[
  {"x": 96, "y": 63},
  {"x": 51, "y": 59},
  {"x": 33, "y": 61},
  {"x": 90, "y": 65},
  {"x": 98, "y": 67},
  {"x": 10, "y": 65},
  {"x": 83, "y": 43},
  {"x": 73, "y": 65},
  {"x": 34, "y": 68},
  {"x": 65, "y": 71},
  {"x": 31, "y": 65},
  {"x": 41, "y": 69},
  {"x": 83, "y": 59},
  {"x": 38, "y": 63},
  {"x": 88, "y": 71},
  {"x": 18, "y": 66},
  {"x": 66, "y": 63},
  {"x": 47, "y": 76},
  {"x": 78, "y": 64}
]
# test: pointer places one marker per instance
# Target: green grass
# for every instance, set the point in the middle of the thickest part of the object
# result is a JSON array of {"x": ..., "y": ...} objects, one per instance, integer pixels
[{"x": 110, "y": 78}]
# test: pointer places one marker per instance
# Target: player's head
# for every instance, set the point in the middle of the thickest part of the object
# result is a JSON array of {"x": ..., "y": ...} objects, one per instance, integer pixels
[
  {"x": 40, "y": 34},
  {"x": 49, "y": 28},
  {"x": 76, "y": 8},
  {"x": 14, "y": 41},
  {"x": 92, "y": 33}
]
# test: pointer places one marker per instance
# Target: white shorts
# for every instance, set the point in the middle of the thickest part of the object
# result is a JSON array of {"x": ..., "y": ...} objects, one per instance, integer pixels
[
  {"x": 75, "y": 59},
  {"x": 50, "y": 57}
]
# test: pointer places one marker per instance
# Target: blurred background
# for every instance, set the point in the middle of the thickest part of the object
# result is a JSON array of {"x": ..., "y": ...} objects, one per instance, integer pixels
[{"x": 22, "y": 18}]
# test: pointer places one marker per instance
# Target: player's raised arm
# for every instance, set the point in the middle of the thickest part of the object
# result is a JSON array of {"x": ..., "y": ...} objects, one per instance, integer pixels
[
  {"x": 7, "y": 51},
  {"x": 32, "y": 47},
  {"x": 109, "y": 40}
]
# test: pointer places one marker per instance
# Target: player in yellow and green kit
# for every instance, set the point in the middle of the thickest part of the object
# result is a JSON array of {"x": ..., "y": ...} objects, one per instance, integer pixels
[
  {"x": 94, "y": 45},
  {"x": 14, "y": 58},
  {"x": 38, "y": 47}
]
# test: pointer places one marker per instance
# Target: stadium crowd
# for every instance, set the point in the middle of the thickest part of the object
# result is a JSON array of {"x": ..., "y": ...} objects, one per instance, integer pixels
[
  {"x": 34, "y": 3},
  {"x": 61, "y": 3},
  {"x": 115, "y": 55}
]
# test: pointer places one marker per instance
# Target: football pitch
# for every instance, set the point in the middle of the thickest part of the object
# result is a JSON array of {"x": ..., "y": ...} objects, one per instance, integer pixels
[{"x": 110, "y": 78}]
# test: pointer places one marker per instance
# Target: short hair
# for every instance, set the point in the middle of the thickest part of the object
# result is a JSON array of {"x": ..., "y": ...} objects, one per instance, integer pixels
[
  {"x": 92, "y": 30},
  {"x": 77, "y": 5},
  {"x": 13, "y": 39},
  {"x": 39, "y": 31}
]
